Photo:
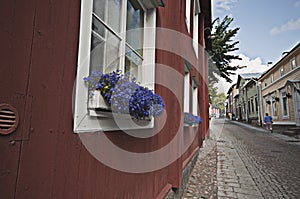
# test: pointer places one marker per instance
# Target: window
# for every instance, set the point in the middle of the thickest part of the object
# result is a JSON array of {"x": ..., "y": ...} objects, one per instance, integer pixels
[
  {"x": 281, "y": 71},
  {"x": 293, "y": 63},
  {"x": 266, "y": 101},
  {"x": 256, "y": 105},
  {"x": 252, "y": 106},
  {"x": 112, "y": 37},
  {"x": 196, "y": 25},
  {"x": 265, "y": 83},
  {"x": 186, "y": 107},
  {"x": 188, "y": 14},
  {"x": 271, "y": 78},
  {"x": 274, "y": 106},
  {"x": 249, "y": 106},
  {"x": 195, "y": 96},
  {"x": 284, "y": 104}
]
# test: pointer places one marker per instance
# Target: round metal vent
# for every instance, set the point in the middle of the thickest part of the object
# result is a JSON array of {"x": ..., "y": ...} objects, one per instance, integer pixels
[{"x": 9, "y": 119}]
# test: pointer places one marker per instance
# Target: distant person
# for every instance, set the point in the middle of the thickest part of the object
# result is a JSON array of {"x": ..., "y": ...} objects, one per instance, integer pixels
[{"x": 268, "y": 121}]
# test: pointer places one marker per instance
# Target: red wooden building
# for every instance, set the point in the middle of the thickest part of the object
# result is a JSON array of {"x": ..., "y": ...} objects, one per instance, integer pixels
[{"x": 53, "y": 143}]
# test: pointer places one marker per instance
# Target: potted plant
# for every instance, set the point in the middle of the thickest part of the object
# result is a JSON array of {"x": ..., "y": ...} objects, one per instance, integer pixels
[
  {"x": 190, "y": 119},
  {"x": 123, "y": 95}
]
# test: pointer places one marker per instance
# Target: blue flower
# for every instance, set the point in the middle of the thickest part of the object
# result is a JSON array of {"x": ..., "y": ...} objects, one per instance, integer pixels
[
  {"x": 191, "y": 119},
  {"x": 125, "y": 95}
]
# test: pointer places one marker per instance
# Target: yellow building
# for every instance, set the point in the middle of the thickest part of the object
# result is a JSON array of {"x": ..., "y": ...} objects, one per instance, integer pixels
[{"x": 281, "y": 89}]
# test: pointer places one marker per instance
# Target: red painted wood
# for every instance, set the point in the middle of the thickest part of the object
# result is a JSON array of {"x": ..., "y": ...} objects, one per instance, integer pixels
[{"x": 39, "y": 44}]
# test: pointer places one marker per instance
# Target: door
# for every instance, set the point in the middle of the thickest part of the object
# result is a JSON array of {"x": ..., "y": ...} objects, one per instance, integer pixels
[{"x": 16, "y": 25}]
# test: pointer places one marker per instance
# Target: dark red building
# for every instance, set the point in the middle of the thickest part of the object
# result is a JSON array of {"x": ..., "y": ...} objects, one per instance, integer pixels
[{"x": 53, "y": 143}]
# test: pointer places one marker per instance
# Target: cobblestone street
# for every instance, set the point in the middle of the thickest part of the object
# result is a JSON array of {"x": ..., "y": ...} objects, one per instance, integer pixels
[{"x": 240, "y": 161}]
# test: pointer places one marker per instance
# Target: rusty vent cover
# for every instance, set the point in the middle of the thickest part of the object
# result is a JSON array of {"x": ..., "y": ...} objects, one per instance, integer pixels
[{"x": 9, "y": 119}]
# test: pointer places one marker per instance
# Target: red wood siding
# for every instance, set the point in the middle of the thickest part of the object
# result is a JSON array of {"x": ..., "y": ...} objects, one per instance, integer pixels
[{"x": 43, "y": 158}]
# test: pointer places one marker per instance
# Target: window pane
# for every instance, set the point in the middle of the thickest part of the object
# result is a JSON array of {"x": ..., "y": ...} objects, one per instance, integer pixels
[
  {"x": 293, "y": 63},
  {"x": 104, "y": 52},
  {"x": 134, "y": 27},
  {"x": 284, "y": 103},
  {"x": 109, "y": 11}
]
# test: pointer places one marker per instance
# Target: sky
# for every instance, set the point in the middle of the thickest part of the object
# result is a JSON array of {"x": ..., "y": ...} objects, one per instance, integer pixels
[{"x": 267, "y": 29}]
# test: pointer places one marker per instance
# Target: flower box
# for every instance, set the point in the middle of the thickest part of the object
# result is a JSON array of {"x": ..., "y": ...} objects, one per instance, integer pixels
[
  {"x": 192, "y": 120},
  {"x": 117, "y": 95}
]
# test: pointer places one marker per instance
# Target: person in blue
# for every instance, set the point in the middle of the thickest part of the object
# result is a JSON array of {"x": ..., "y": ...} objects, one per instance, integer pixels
[{"x": 268, "y": 121}]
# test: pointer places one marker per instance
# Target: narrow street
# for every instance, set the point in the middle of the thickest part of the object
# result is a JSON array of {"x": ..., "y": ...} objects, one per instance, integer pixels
[{"x": 251, "y": 163}]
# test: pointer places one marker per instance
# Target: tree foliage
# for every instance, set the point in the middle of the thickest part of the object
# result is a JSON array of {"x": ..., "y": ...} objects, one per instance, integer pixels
[
  {"x": 223, "y": 45},
  {"x": 219, "y": 101}
]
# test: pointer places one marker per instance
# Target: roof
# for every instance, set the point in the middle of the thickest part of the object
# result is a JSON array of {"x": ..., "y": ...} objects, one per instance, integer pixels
[
  {"x": 247, "y": 76},
  {"x": 290, "y": 52},
  {"x": 250, "y": 75}
]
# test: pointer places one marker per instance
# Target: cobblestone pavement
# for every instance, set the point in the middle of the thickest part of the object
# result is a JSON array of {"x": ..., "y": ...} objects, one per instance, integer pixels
[
  {"x": 203, "y": 179},
  {"x": 243, "y": 162}
]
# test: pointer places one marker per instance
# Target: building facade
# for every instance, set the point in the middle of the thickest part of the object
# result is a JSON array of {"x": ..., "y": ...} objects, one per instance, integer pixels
[
  {"x": 54, "y": 142},
  {"x": 247, "y": 105},
  {"x": 281, "y": 89}
]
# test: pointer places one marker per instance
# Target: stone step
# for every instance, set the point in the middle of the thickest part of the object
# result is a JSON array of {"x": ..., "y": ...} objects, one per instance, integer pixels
[
  {"x": 290, "y": 133},
  {"x": 294, "y": 128}
]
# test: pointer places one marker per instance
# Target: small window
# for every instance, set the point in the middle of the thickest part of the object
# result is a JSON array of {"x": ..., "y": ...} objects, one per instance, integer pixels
[
  {"x": 195, "y": 97},
  {"x": 188, "y": 14},
  {"x": 265, "y": 83},
  {"x": 186, "y": 107},
  {"x": 196, "y": 26},
  {"x": 256, "y": 105},
  {"x": 293, "y": 63},
  {"x": 274, "y": 105},
  {"x": 284, "y": 104},
  {"x": 271, "y": 78},
  {"x": 281, "y": 71}
]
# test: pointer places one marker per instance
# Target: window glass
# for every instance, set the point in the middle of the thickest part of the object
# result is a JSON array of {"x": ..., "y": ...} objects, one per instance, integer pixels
[
  {"x": 265, "y": 82},
  {"x": 109, "y": 11},
  {"x": 293, "y": 63},
  {"x": 134, "y": 38},
  {"x": 284, "y": 104},
  {"x": 105, "y": 41},
  {"x": 281, "y": 71},
  {"x": 271, "y": 78},
  {"x": 188, "y": 14},
  {"x": 187, "y": 93}
]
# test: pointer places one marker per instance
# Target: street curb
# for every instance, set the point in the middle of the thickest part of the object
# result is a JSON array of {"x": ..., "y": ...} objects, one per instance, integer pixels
[{"x": 277, "y": 135}]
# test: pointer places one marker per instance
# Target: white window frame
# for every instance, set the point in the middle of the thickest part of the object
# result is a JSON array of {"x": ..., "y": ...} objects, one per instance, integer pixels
[
  {"x": 188, "y": 14},
  {"x": 83, "y": 121},
  {"x": 266, "y": 104},
  {"x": 186, "y": 95},
  {"x": 293, "y": 63},
  {"x": 274, "y": 107},
  {"x": 196, "y": 26},
  {"x": 271, "y": 78},
  {"x": 287, "y": 104},
  {"x": 195, "y": 98},
  {"x": 281, "y": 71},
  {"x": 265, "y": 82}
]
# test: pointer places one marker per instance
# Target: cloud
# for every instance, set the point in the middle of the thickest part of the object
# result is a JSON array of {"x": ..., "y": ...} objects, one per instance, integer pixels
[
  {"x": 291, "y": 25},
  {"x": 253, "y": 66},
  {"x": 223, "y": 5},
  {"x": 297, "y": 4}
]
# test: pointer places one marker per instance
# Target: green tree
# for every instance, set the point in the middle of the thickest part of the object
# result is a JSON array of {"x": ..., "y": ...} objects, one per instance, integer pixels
[
  {"x": 212, "y": 90},
  {"x": 219, "y": 101},
  {"x": 223, "y": 45}
]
